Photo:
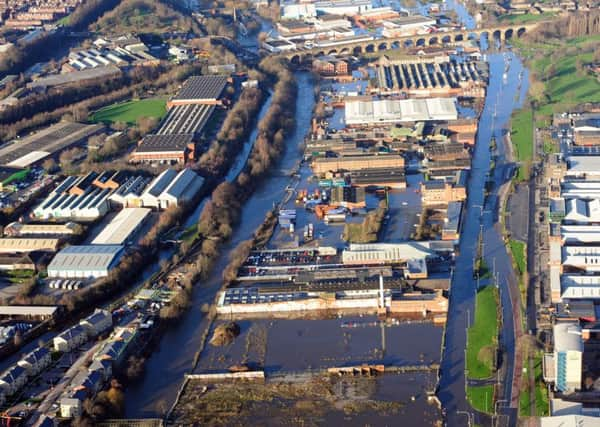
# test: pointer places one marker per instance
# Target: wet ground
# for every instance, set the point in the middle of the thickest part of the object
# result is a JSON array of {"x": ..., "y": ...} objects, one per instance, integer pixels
[
  {"x": 296, "y": 345},
  {"x": 387, "y": 400}
]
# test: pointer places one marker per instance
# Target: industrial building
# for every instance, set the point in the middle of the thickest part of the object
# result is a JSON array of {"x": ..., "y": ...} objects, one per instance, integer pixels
[
  {"x": 370, "y": 112},
  {"x": 322, "y": 165},
  {"x": 23, "y": 245},
  {"x": 200, "y": 90},
  {"x": 343, "y": 7},
  {"x": 583, "y": 166},
  {"x": 85, "y": 261},
  {"x": 437, "y": 192},
  {"x": 122, "y": 227},
  {"x": 568, "y": 356},
  {"x": 451, "y": 227},
  {"x": 379, "y": 177},
  {"x": 24, "y": 229},
  {"x": 45, "y": 143},
  {"x": 407, "y": 25},
  {"x": 385, "y": 253},
  {"x": 172, "y": 188},
  {"x": 165, "y": 148},
  {"x": 130, "y": 192},
  {"x": 85, "y": 197}
]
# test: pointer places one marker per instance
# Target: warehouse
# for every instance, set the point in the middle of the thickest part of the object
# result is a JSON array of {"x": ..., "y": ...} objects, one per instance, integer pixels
[
  {"x": 21, "y": 229},
  {"x": 165, "y": 148},
  {"x": 85, "y": 261},
  {"x": 47, "y": 142},
  {"x": 353, "y": 163},
  {"x": 85, "y": 197},
  {"x": 186, "y": 119},
  {"x": 129, "y": 194},
  {"x": 385, "y": 253},
  {"x": 200, "y": 90},
  {"x": 583, "y": 166},
  {"x": 122, "y": 227},
  {"x": 369, "y": 112},
  {"x": 171, "y": 189},
  {"x": 381, "y": 177},
  {"x": 21, "y": 245}
]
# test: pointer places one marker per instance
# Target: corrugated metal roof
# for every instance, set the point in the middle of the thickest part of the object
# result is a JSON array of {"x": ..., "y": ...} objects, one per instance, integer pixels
[
  {"x": 85, "y": 257},
  {"x": 120, "y": 228}
]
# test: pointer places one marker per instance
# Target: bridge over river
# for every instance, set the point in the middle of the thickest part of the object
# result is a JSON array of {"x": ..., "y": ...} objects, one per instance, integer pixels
[{"x": 359, "y": 45}]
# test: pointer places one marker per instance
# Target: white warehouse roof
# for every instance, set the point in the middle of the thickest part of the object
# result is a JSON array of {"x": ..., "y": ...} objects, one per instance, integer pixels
[
  {"x": 402, "y": 110},
  {"x": 122, "y": 226},
  {"x": 567, "y": 337},
  {"x": 385, "y": 252},
  {"x": 84, "y": 261},
  {"x": 589, "y": 165},
  {"x": 582, "y": 211}
]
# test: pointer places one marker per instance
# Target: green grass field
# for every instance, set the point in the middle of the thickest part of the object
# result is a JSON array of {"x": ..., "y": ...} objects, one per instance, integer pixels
[
  {"x": 483, "y": 335},
  {"x": 566, "y": 87},
  {"x": 541, "y": 392},
  {"x": 517, "y": 249},
  {"x": 129, "y": 112},
  {"x": 522, "y": 134},
  {"x": 481, "y": 398}
]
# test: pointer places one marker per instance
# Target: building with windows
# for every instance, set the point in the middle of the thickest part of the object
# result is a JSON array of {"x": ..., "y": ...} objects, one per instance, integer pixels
[{"x": 568, "y": 356}]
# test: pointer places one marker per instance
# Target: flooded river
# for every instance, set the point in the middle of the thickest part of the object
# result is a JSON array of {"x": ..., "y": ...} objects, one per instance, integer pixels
[{"x": 173, "y": 358}]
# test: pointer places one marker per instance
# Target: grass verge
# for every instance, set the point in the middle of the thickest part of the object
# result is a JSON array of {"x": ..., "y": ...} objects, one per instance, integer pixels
[
  {"x": 483, "y": 335},
  {"x": 481, "y": 398}
]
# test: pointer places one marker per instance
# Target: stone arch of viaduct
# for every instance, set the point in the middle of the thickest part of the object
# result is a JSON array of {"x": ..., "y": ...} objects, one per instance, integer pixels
[{"x": 501, "y": 33}]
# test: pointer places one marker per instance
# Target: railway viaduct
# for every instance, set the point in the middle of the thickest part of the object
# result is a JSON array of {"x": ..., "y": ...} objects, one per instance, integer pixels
[{"x": 498, "y": 32}]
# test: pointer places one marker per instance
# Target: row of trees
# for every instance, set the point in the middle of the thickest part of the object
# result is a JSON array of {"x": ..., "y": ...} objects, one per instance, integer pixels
[{"x": 235, "y": 130}]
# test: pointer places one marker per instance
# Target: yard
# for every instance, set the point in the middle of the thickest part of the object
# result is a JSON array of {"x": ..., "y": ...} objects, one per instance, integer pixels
[
  {"x": 129, "y": 112},
  {"x": 483, "y": 335}
]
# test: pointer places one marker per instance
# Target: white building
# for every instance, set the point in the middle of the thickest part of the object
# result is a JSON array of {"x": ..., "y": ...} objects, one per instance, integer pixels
[
  {"x": 122, "y": 227},
  {"x": 583, "y": 166},
  {"x": 568, "y": 355},
  {"x": 70, "y": 339},
  {"x": 582, "y": 211},
  {"x": 172, "y": 189},
  {"x": 85, "y": 261},
  {"x": 363, "y": 112},
  {"x": 298, "y": 11},
  {"x": 407, "y": 26},
  {"x": 344, "y": 7},
  {"x": 70, "y": 407}
]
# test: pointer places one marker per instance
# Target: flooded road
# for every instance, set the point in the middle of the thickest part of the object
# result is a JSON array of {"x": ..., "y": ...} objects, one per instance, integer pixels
[
  {"x": 502, "y": 98},
  {"x": 165, "y": 368}
]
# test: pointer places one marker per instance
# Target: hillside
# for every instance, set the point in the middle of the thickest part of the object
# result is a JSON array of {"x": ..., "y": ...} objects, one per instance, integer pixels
[{"x": 144, "y": 16}]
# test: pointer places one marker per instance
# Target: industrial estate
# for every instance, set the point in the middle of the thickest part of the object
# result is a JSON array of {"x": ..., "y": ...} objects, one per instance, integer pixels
[{"x": 269, "y": 212}]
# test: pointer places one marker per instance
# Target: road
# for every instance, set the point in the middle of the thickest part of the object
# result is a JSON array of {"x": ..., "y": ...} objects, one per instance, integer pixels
[{"x": 481, "y": 211}]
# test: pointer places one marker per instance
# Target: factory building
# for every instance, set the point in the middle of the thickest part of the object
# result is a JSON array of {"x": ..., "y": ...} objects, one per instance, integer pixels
[
  {"x": 439, "y": 193},
  {"x": 322, "y": 165},
  {"x": 85, "y": 197},
  {"x": 123, "y": 226},
  {"x": 371, "y": 112},
  {"x": 22, "y": 229},
  {"x": 171, "y": 188},
  {"x": 343, "y": 7},
  {"x": 385, "y": 253},
  {"x": 206, "y": 90},
  {"x": 568, "y": 356},
  {"x": 85, "y": 261}
]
